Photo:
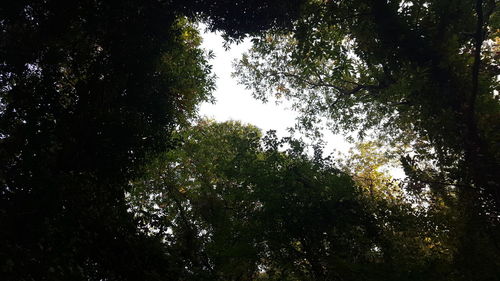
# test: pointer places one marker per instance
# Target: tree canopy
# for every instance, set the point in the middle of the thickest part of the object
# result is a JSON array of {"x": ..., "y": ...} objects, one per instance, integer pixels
[
  {"x": 419, "y": 73},
  {"x": 88, "y": 89},
  {"x": 234, "y": 205},
  {"x": 104, "y": 176}
]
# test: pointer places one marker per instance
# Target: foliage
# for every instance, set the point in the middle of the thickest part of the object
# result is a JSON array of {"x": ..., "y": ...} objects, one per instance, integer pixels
[
  {"x": 420, "y": 73},
  {"x": 91, "y": 91},
  {"x": 238, "y": 18},
  {"x": 88, "y": 89},
  {"x": 235, "y": 206},
  {"x": 406, "y": 70}
]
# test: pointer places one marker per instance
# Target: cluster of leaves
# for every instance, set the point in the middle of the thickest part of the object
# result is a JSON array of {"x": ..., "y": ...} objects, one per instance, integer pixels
[
  {"x": 406, "y": 70},
  {"x": 423, "y": 74},
  {"x": 239, "y": 18},
  {"x": 234, "y": 206},
  {"x": 90, "y": 91},
  {"x": 87, "y": 90}
]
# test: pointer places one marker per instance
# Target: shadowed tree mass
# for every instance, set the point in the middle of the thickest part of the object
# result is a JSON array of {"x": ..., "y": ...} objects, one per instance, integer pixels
[{"x": 105, "y": 175}]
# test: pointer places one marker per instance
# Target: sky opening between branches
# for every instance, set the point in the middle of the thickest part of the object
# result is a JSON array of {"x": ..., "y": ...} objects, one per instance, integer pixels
[{"x": 234, "y": 102}]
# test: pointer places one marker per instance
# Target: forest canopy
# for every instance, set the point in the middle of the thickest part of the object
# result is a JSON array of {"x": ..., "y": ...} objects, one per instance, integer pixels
[{"x": 107, "y": 173}]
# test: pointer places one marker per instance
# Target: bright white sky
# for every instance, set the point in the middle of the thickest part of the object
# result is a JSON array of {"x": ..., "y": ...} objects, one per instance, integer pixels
[{"x": 234, "y": 102}]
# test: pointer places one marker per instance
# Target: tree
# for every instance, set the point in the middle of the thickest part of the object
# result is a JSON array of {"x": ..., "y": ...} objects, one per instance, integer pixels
[
  {"x": 404, "y": 69},
  {"x": 237, "y": 206},
  {"x": 421, "y": 73},
  {"x": 78, "y": 111},
  {"x": 88, "y": 90}
]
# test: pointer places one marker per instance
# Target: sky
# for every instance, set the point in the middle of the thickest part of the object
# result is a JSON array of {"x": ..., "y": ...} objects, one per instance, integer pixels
[{"x": 234, "y": 102}]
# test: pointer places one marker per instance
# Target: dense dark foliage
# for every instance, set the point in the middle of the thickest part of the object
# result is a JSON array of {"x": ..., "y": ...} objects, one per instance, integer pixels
[
  {"x": 87, "y": 89},
  {"x": 422, "y": 75},
  {"x": 421, "y": 71},
  {"x": 99, "y": 180},
  {"x": 234, "y": 205}
]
